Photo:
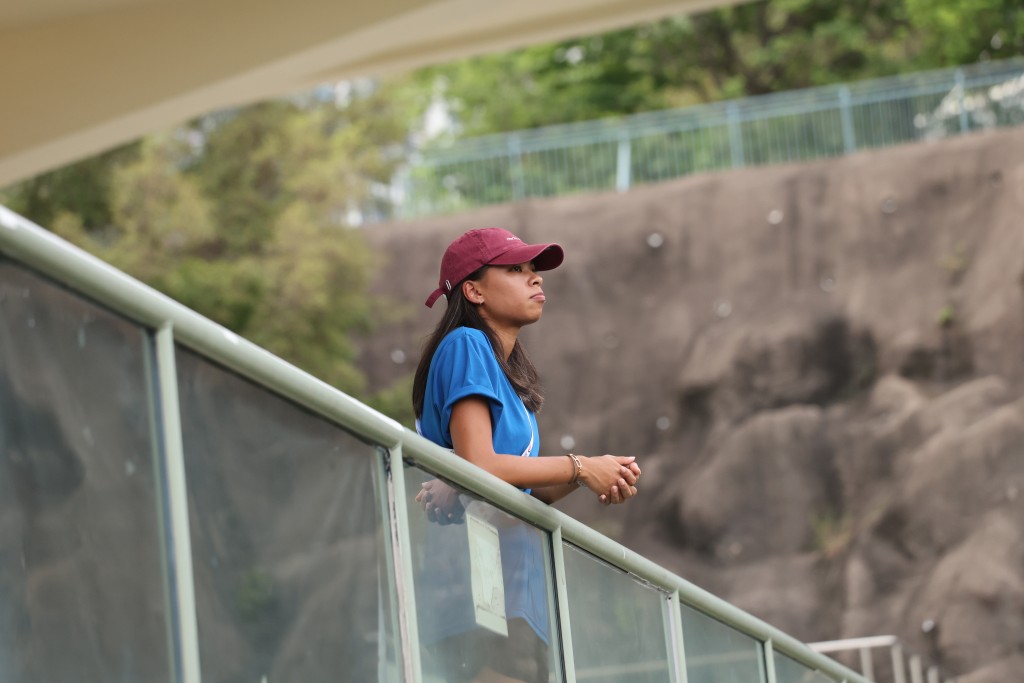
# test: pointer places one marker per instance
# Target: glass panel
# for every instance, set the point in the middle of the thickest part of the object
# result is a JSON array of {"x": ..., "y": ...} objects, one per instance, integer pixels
[
  {"x": 484, "y": 597},
  {"x": 619, "y": 624},
  {"x": 291, "y": 570},
  {"x": 788, "y": 670},
  {"x": 82, "y": 582},
  {"x": 716, "y": 653}
]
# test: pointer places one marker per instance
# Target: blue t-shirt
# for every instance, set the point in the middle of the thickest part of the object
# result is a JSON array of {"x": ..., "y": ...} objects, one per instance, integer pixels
[{"x": 464, "y": 365}]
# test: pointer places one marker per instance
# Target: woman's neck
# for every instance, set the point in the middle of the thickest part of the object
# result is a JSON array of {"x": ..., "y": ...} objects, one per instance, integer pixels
[{"x": 507, "y": 336}]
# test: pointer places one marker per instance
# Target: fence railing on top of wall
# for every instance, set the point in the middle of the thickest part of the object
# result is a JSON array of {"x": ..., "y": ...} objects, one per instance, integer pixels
[{"x": 771, "y": 129}]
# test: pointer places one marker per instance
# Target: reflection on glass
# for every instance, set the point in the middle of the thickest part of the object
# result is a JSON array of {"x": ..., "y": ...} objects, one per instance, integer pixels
[
  {"x": 618, "y": 623},
  {"x": 288, "y": 539},
  {"x": 716, "y": 653},
  {"x": 483, "y": 588},
  {"x": 82, "y": 582},
  {"x": 788, "y": 670}
]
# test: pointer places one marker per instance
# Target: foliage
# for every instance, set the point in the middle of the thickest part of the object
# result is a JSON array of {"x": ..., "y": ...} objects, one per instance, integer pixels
[
  {"x": 81, "y": 189},
  {"x": 394, "y": 401},
  {"x": 946, "y": 316},
  {"x": 833, "y": 533},
  {"x": 747, "y": 49},
  {"x": 964, "y": 31},
  {"x": 241, "y": 216}
]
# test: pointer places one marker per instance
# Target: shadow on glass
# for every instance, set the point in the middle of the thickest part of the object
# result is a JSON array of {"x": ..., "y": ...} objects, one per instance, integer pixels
[
  {"x": 716, "y": 653},
  {"x": 788, "y": 670},
  {"x": 82, "y": 578},
  {"x": 619, "y": 623},
  {"x": 291, "y": 573}
]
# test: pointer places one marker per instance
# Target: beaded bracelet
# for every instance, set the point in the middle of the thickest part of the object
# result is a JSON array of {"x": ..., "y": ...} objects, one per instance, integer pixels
[{"x": 579, "y": 470}]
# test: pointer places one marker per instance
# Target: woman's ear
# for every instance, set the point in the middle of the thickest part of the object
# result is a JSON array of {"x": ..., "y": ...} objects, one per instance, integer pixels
[{"x": 472, "y": 292}]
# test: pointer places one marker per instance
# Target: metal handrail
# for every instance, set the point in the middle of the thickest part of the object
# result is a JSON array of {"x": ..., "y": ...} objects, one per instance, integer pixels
[{"x": 59, "y": 260}]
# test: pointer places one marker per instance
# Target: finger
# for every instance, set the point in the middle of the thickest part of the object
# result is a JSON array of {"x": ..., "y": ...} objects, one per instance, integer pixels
[
  {"x": 625, "y": 490},
  {"x": 635, "y": 468},
  {"x": 627, "y": 477},
  {"x": 615, "y": 496},
  {"x": 604, "y": 499}
]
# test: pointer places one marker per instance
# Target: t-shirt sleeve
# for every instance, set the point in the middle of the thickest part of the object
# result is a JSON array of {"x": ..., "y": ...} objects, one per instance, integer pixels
[{"x": 466, "y": 367}]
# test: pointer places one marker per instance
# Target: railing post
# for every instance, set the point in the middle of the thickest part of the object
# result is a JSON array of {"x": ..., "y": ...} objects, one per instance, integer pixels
[
  {"x": 867, "y": 664},
  {"x": 732, "y": 117},
  {"x": 769, "y": 662},
  {"x": 169, "y": 416},
  {"x": 961, "y": 87},
  {"x": 515, "y": 156},
  {"x": 389, "y": 670},
  {"x": 915, "y": 670},
  {"x": 933, "y": 674},
  {"x": 899, "y": 667},
  {"x": 562, "y": 598},
  {"x": 623, "y": 171},
  {"x": 680, "y": 640},
  {"x": 401, "y": 554},
  {"x": 849, "y": 139}
]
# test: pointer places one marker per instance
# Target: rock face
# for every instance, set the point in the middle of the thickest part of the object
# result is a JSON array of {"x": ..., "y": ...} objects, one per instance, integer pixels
[{"x": 821, "y": 367}]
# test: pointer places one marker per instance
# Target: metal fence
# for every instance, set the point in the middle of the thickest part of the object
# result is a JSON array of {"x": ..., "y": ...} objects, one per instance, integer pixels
[
  {"x": 771, "y": 129},
  {"x": 894, "y": 666}
]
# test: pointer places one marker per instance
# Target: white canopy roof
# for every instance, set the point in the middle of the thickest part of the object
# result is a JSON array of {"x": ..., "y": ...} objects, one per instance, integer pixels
[{"x": 80, "y": 76}]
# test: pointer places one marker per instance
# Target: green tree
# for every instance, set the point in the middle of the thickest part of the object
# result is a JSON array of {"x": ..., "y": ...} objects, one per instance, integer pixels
[
  {"x": 242, "y": 217},
  {"x": 746, "y": 49},
  {"x": 964, "y": 31},
  {"x": 82, "y": 189}
]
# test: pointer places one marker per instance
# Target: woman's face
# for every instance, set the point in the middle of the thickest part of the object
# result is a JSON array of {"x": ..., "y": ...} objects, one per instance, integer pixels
[{"x": 509, "y": 296}]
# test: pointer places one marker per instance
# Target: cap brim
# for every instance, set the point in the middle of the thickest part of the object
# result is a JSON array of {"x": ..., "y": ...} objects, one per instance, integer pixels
[
  {"x": 434, "y": 296},
  {"x": 544, "y": 256}
]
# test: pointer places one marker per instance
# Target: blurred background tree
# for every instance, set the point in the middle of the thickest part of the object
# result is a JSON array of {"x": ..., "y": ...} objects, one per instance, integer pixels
[
  {"x": 746, "y": 49},
  {"x": 244, "y": 216}
]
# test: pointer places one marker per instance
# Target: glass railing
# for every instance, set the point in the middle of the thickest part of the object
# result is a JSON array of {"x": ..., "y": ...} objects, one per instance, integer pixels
[{"x": 180, "y": 505}]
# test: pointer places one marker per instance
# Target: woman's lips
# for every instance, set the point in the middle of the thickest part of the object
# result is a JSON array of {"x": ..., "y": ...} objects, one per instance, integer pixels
[{"x": 539, "y": 297}]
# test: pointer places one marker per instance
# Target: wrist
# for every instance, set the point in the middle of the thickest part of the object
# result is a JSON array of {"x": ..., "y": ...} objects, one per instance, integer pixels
[{"x": 577, "y": 467}]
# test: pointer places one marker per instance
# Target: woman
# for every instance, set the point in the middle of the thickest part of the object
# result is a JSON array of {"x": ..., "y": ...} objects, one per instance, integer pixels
[{"x": 477, "y": 393}]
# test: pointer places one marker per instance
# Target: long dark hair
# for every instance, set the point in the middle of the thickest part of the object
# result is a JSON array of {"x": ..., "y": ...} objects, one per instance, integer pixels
[{"x": 461, "y": 313}]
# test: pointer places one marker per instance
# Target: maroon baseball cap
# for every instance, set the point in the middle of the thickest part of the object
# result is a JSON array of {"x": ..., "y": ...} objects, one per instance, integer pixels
[{"x": 490, "y": 247}]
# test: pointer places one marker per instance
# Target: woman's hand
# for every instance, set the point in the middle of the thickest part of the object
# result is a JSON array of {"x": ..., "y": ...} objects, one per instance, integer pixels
[
  {"x": 612, "y": 477},
  {"x": 441, "y": 502}
]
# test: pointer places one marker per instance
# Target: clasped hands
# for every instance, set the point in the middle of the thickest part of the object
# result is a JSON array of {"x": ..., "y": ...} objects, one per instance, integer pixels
[
  {"x": 440, "y": 501},
  {"x": 612, "y": 477}
]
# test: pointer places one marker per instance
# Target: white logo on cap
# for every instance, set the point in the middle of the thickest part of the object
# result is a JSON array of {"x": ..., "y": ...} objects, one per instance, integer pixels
[{"x": 512, "y": 239}]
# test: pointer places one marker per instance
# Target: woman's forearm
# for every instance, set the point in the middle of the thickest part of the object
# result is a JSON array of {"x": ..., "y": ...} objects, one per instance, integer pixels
[
  {"x": 553, "y": 494},
  {"x": 606, "y": 475},
  {"x": 525, "y": 473}
]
